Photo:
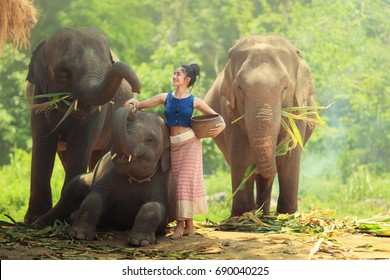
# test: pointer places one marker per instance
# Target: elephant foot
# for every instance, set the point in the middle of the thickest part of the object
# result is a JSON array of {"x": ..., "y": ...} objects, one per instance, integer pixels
[
  {"x": 82, "y": 232},
  {"x": 33, "y": 214},
  {"x": 43, "y": 222},
  {"x": 73, "y": 216},
  {"x": 235, "y": 214},
  {"x": 138, "y": 239}
]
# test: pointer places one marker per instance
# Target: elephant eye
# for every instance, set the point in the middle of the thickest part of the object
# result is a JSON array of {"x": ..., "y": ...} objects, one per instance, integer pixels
[
  {"x": 64, "y": 73},
  {"x": 149, "y": 139}
]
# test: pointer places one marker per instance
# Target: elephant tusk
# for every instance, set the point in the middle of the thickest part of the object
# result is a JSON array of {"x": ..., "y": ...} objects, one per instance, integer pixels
[
  {"x": 76, "y": 102},
  {"x": 100, "y": 108},
  {"x": 129, "y": 158},
  {"x": 114, "y": 156}
]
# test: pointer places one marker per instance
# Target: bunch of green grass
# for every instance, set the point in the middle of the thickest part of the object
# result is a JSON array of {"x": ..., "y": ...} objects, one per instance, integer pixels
[
  {"x": 317, "y": 223},
  {"x": 376, "y": 227},
  {"x": 53, "y": 100},
  {"x": 322, "y": 223},
  {"x": 53, "y": 104}
]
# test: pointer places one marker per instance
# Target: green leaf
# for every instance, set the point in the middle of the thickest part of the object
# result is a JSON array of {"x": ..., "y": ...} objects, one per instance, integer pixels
[
  {"x": 296, "y": 132},
  {"x": 52, "y": 94},
  {"x": 283, "y": 147},
  {"x": 68, "y": 112}
]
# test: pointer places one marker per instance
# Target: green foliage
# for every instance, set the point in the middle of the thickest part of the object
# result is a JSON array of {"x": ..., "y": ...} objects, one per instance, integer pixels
[
  {"x": 15, "y": 184},
  {"x": 218, "y": 192},
  {"x": 362, "y": 196},
  {"x": 14, "y": 124}
]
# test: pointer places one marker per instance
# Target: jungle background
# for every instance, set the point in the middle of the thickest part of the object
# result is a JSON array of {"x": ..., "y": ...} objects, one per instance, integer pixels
[{"x": 345, "y": 165}]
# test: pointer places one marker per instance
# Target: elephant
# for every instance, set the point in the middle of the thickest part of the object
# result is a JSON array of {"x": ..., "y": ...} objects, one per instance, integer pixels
[
  {"x": 129, "y": 187},
  {"x": 263, "y": 74},
  {"x": 78, "y": 62}
]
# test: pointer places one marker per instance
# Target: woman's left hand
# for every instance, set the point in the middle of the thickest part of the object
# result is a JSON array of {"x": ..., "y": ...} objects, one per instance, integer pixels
[{"x": 217, "y": 130}]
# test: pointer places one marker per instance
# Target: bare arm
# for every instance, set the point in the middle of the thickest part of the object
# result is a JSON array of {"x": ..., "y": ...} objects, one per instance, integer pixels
[{"x": 148, "y": 103}]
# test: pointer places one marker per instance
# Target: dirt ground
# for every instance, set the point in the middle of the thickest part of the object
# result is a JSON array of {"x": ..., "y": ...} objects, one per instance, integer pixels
[{"x": 207, "y": 244}]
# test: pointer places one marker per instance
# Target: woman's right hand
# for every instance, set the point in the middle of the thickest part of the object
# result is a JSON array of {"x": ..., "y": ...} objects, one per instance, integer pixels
[{"x": 132, "y": 103}]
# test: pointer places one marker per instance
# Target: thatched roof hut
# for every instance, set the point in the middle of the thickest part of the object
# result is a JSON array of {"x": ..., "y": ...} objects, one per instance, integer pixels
[{"x": 17, "y": 18}]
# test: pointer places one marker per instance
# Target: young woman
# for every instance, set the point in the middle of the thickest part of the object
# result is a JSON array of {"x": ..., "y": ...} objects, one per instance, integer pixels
[{"x": 186, "y": 149}]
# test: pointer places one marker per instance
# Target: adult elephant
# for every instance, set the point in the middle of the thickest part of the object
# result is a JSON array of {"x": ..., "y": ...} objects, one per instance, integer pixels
[
  {"x": 263, "y": 75},
  {"x": 129, "y": 188},
  {"x": 78, "y": 62}
]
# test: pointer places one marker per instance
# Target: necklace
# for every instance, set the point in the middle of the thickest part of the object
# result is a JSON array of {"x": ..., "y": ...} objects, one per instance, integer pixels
[{"x": 140, "y": 181}]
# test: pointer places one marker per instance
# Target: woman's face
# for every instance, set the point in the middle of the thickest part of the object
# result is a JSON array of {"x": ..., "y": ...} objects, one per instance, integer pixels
[{"x": 180, "y": 78}]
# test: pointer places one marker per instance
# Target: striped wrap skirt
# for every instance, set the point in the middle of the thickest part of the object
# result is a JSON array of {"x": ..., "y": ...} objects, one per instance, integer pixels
[{"x": 187, "y": 172}]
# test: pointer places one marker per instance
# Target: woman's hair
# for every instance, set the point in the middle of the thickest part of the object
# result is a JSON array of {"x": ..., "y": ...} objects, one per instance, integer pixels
[{"x": 191, "y": 71}]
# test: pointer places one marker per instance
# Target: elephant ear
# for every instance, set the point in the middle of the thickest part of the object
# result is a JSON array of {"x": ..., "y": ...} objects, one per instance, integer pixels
[
  {"x": 38, "y": 69},
  {"x": 113, "y": 57},
  {"x": 165, "y": 160},
  {"x": 228, "y": 92},
  {"x": 304, "y": 85}
]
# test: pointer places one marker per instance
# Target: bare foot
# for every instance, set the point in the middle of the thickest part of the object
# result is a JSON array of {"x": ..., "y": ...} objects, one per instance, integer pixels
[
  {"x": 189, "y": 229},
  {"x": 188, "y": 232},
  {"x": 179, "y": 230}
]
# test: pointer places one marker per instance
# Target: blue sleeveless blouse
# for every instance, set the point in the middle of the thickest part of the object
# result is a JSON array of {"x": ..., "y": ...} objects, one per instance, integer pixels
[{"x": 178, "y": 112}]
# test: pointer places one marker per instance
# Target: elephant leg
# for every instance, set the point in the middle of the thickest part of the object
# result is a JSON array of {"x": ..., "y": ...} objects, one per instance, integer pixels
[
  {"x": 243, "y": 200},
  {"x": 42, "y": 162},
  {"x": 87, "y": 217},
  {"x": 72, "y": 196},
  {"x": 288, "y": 175},
  {"x": 263, "y": 193},
  {"x": 150, "y": 218}
]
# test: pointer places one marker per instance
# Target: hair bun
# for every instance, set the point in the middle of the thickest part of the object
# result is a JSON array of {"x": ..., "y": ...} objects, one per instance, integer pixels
[{"x": 195, "y": 67}]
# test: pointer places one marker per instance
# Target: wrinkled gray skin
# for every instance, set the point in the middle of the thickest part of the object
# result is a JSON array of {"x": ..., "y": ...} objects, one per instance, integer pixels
[
  {"x": 108, "y": 198},
  {"x": 78, "y": 62},
  {"x": 263, "y": 75}
]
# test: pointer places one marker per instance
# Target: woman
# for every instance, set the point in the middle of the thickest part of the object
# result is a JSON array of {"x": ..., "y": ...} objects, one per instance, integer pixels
[{"x": 186, "y": 149}]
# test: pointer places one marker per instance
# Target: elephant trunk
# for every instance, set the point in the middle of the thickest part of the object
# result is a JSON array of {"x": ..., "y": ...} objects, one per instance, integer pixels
[
  {"x": 99, "y": 92},
  {"x": 121, "y": 144},
  {"x": 263, "y": 128}
]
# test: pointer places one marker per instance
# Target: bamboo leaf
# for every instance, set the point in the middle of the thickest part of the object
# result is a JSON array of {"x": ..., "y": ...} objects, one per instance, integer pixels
[
  {"x": 290, "y": 133},
  {"x": 296, "y": 131},
  {"x": 309, "y": 117},
  {"x": 305, "y": 108},
  {"x": 283, "y": 147},
  {"x": 377, "y": 229},
  {"x": 239, "y": 118},
  {"x": 247, "y": 175},
  {"x": 249, "y": 172},
  {"x": 68, "y": 112},
  {"x": 48, "y": 95}
]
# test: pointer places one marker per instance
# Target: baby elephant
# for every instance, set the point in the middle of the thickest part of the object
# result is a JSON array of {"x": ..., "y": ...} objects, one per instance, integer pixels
[{"x": 128, "y": 189}]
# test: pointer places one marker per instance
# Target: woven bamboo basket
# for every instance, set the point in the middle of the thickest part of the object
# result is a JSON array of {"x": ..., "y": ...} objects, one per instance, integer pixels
[{"x": 202, "y": 124}]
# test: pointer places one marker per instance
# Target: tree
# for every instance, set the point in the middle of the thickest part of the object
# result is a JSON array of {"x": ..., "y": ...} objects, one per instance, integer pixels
[{"x": 14, "y": 111}]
